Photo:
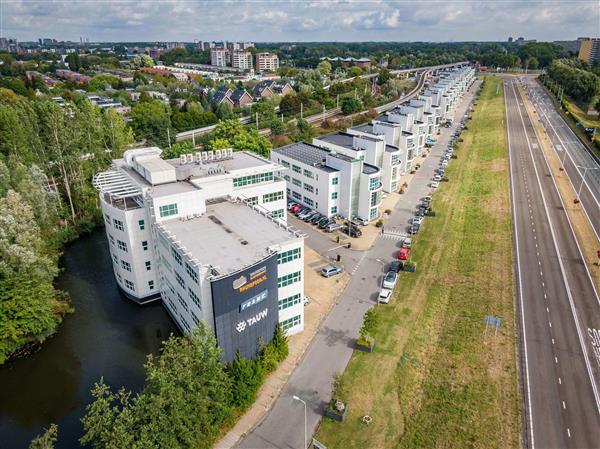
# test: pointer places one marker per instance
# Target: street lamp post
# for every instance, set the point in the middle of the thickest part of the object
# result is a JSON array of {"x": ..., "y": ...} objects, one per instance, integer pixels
[
  {"x": 296, "y": 398},
  {"x": 585, "y": 170}
]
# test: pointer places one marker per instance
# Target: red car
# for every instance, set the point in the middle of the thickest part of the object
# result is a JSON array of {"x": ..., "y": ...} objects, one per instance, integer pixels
[
  {"x": 295, "y": 208},
  {"x": 404, "y": 253}
]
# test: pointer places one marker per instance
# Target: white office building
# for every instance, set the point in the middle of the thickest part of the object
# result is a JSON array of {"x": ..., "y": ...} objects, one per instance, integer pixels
[
  {"x": 207, "y": 233},
  {"x": 242, "y": 60},
  {"x": 331, "y": 182}
]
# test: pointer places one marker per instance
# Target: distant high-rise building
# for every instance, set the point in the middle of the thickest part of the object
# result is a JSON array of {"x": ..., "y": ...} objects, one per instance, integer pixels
[
  {"x": 219, "y": 57},
  {"x": 510, "y": 39},
  {"x": 241, "y": 59},
  {"x": 589, "y": 49},
  {"x": 266, "y": 62}
]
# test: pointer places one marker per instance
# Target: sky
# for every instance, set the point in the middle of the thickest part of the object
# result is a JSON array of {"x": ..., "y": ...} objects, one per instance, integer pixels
[{"x": 296, "y": 20}]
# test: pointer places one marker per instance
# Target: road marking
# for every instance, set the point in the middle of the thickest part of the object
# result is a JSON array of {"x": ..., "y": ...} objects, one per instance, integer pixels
[
  {"x": 520, "y": 294},
  {"x": 547, "y": 310},
  {"x": 569, "y": 432},
  {"x": 560, "y": 262},
  {"x": 550, "y": 323},
  {"x": 560, "y": 381},
  {"x": 564, "y": 405},
  {"x": 553, "y": 341},
  {"x": 555, "y": 359}
]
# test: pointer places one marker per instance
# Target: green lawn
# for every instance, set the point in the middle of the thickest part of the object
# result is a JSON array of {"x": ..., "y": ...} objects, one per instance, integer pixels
[{"x": 435, "y": 380}]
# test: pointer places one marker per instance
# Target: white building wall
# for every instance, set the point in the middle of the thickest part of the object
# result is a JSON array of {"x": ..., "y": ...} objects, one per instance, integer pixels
[{"x": 291, "y": 297}]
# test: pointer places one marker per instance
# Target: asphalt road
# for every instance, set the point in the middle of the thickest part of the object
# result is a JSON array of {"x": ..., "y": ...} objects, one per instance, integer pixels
[
  {"x": 332, "y": 347},
  {"x": 557, "y": 304},
  {"x": 578, "y": 162}
]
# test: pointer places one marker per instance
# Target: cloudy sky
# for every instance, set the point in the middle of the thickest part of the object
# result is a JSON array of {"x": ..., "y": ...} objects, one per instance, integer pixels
[{"x": 296, "y": 20}]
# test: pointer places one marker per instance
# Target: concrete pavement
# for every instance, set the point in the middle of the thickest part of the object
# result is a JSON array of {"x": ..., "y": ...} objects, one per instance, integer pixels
[
  {"x": 332, "y": 347},
  {"x": 559, "y": 310}
]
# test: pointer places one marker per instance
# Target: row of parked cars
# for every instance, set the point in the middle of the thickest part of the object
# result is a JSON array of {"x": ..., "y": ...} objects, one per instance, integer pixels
[
  {"x": 323, "y": 222},
  {"x": 391, "y": 277}
]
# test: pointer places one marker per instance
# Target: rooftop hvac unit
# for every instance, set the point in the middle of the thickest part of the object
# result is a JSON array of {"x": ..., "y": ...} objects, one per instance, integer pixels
[
  {"x": 230, "y": 152},
  {"x": 182, "y": 159},
  {"x": 197, "y": 157},
  {"x": 204, "y": 155},
  {"x": 211, "y": 156},
  {"x": 217, "y": 155}
]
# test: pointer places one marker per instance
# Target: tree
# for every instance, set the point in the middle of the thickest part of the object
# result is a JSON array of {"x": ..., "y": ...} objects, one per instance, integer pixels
[
  {"x": 73, "y": 61},
  {"x": 383, "y": 77},
  {"x": 246, "y": 376},
  {"x": 350, "y": 105},
  {"x": 290, "y": 104},
  {"x": 277, "y": 127},
  {"x": 99, "y": 82},
  {"x": 152, "y": 121},
  {"x": 142, "y": 60},
  {"x": 224, "y": 111},
  {"x": 232, "y": 134},
  {"x": 324, "y": 67},
  {"x": 354, "y": 72},
  {"x": 46, "y": 440},
  {"x": 532, "y": 63}
]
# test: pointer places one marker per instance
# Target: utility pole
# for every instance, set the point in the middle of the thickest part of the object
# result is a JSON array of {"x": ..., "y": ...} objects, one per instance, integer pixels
[
  {"x": 323, "y": 119},
  {"x": 337, "y": 101},
  {"x": 256, "y": 115},
  {"x": 169, "y": 136},
  {"x": 301, "y": 110}
]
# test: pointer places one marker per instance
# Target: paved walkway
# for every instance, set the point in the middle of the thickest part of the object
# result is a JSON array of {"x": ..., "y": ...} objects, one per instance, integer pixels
[{"x": 333, "y": 344}]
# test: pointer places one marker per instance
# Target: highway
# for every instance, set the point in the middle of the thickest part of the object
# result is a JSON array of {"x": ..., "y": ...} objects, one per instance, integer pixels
[
  {"x": 333, "y": 345},
  {"x": 557, "y": 305},
  {"x": 578, "y": 161}
]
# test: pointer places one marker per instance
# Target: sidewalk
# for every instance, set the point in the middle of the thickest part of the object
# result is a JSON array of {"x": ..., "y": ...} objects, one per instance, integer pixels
[{"x": 323, "y": 293}]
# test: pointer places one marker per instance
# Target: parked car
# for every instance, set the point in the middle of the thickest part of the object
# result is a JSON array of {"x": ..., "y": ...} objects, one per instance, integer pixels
[
  {"x": 316, "y": 218},
  {"x": 301, "y": 211},
  {"x": 396, "y": 265},
  {"x": 308, "y": 216},
  {"x": 352, "y": 231},
  {"x": 295, "y": 208},
  {"x": 414, "y": 229},
  {"x": 322, "y": 220},
  {"x": 385, "y": 295},
  {"x": 407, "y": 242},
  {"x": 330, "y": 270},
  {"x": 404, "y": 253},
  {"x": 427, "y": 199},
  {"x": 437, "y": 178},
  {"x": 304, "y": 213},
  {"x": 324, "y": 224},
  {"x": 333, "y": 227},
  {"x": 435, "y": 184},
  {"x": 418, "y": 219},
  {"x": 390, "y": 279}
]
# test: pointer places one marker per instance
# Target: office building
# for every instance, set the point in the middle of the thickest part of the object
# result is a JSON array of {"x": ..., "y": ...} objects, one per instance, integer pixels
[
  {"x": 206, "y": 233},
  {"x": 219, "y": 57},
  {"x": 333, "y": 183},
  {"x": 589, "y": 49},
  {"x": 242, "y": 60}
]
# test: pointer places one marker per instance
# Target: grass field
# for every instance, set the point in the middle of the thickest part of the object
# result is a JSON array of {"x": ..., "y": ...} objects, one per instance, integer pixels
[{"x": 434, "y": 379}]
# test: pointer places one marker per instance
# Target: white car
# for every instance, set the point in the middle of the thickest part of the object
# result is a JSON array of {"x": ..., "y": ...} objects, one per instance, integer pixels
[
  {"x": 437, "y": 178},
  {"x": 389, "y": 281},
  {"x": 384, "y": 295},
  {"x": 416, "y": 220},
  {"x": 407, "y": 242},
  {"x": 434, "y": 184}
]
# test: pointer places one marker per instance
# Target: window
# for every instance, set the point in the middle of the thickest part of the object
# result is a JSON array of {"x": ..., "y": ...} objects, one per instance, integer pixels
[
  {"x": 148, "y": 265},
  {"x": 168, "y": 209},
  {"x": 179, "y": 280},
  {"x": 182, "y": 302},
  {"x": 118, "y": 224},
  {"x": 252, "y": 200},
  {"x": 297, "y": 182},
  {"x": 289, "y": 301},
  {"x": 288, "y": 279},
  {"x": 129, "y": 285},
  {"x": 112, "y": 239},
  {"x": 177, "y": 256},
  {"x": 195, "y": 319},
  {"x": 308, "y": 201},
  {"x": 297, "y": 196},
  {"x": 273, "y": 196},
  {"x": 287, "y": 178},
  {"x": 119, "y": 278},
  {"x": 185, "y": 323},
  {"x": 145, "y": 245},
  {"x": 288, "y": 256},
  {"x": 150, "y": 285},
  {"x": 375, "y": 198},
  {"x": 374, "y": 183},
  {"x": 334, "y": 195},
  {"x": 286, "y": 164},
  {"x": 122, "y": 245},
  {"x": 142, "y": 225},
  {"x": 115, "y": 259},
  {"x": 107, "y": 219},
  {"x": 308, "y": 173},
  {"x": 373, "y": 213},
  {"x": 395, "y": 159},
  {"x": 296, "y": 169},
  {"x": 277, "y": 213},
  {"x": 191, "y": 272},
  {"x": 309, "y": 188},
  {"x": 290, "y": 322},
  {"x": 252, "y": 179},
  {"x": 334, "y": 181},
  {"x": 126, "y": 265},
  {"x": 194, "y": 298},
  {"x": 334, "y": 210}
]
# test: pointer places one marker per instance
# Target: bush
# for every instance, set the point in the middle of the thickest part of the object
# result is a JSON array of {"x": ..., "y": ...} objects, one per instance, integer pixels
[
  {"x": 379, "y": 223},
  {"x": 277, "y": 127},
  {"x": 350, "y": 105}
]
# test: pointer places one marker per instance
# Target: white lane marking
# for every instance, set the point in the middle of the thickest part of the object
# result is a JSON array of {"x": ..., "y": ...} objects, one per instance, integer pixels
[
  {"x": 569, "y": 432},
  {"x": 550, "y": 323},
  {"x": 555, "y": 359},
  {"x": 560, "y": 262},
  {"x": 512, "y": 188},
  {"x": 564, "y": 405},
  {"x": 560, "y": 381},
  {"x": 547, "y": 310},
  {"x": 553, "y": 341}
]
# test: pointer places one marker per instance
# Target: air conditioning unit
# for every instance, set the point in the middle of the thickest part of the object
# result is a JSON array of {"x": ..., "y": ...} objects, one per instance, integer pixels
[
  {"x": 198, "y": 157},
  {"x": 204, "y": 156},
  {"x": 182, "y": 159},
  {"x": 217, "y": 155},
  {"x": 211, "y": 156}
]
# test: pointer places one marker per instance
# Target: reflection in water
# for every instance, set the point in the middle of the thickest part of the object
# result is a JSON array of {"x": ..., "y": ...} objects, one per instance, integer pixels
[{"x": 106, "y": 336}]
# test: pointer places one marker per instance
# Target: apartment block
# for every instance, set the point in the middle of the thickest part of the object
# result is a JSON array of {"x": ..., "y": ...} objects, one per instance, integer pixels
[
  {"x": 266, "y": 62},
  {"x": 242, "y": 60},
  {"x": 219, "y": 57},
  {"x": 589, "y": 49},
  {"x": 333, "y": 183},
  {"x": 206, "y": 233}
]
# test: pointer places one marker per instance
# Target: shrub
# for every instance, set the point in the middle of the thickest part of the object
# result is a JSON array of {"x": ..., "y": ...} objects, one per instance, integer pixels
[{"x": 379, "y": 223}]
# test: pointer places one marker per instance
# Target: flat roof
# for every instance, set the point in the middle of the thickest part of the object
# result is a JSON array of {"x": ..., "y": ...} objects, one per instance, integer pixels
[
  {"x": 229, "y": 236},
  {"x": 307, "y": 154},
  {"x": 240, "y": 160}
]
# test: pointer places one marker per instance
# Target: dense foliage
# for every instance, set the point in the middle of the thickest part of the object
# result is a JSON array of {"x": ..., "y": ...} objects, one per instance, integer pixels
[
  {"x": 577, "y": 81},
  {"x": 188, "y": 398},
  {"x": 48, "y": 156}
]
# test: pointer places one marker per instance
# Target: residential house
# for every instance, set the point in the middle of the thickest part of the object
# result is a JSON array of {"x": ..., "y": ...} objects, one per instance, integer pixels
[{"x": 241, "y": 98}]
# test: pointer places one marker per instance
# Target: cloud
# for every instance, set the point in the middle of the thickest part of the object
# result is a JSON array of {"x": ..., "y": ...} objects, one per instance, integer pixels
[{"x": 302, "y": 20}]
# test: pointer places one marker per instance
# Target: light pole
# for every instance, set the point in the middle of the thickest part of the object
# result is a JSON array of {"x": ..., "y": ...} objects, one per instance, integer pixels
[
  {"x": 585, "y": 169},
  {"x": 296, "y": 398}
]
